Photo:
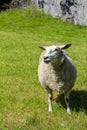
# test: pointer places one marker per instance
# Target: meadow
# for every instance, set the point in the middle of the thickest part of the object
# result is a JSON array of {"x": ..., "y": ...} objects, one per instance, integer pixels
[{"x": 23, "y": 102}]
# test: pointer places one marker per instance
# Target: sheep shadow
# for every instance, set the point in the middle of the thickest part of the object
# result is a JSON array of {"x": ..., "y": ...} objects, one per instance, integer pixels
[{"x": 78, "y": 100}]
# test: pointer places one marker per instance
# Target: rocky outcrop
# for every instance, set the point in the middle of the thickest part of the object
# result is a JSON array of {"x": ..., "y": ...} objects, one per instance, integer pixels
[
  {"x": 71, "y": 10},
  {"x": 18, "y": 4}
]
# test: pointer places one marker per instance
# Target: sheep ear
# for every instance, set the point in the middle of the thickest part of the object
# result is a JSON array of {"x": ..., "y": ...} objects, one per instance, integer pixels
[
  {"x": 42, "y": 47},
  {"x": 65, "y": 46}
]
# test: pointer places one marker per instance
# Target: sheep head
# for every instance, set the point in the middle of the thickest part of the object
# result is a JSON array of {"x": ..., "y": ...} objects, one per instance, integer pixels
[{"x": 53, "y": 53}]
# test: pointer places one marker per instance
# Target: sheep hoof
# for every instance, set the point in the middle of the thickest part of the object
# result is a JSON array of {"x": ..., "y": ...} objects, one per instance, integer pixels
[
  {"x": 68, "y": 111},
  {"x": 50, "y": 110}
]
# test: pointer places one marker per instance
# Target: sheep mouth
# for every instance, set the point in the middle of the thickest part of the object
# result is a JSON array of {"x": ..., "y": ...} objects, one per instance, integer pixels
[{"x": 47, "y": 61}]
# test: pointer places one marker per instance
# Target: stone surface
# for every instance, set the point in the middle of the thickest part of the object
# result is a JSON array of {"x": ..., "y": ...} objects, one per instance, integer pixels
[
  {"x": 71, "y": 10},
  {"x": 18, "y": 4}
]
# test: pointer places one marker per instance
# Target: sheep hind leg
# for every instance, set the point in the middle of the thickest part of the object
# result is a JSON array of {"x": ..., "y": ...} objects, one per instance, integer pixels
[
  {"x": 50, "y": 97},
  {"x": 67, "y": 103}
]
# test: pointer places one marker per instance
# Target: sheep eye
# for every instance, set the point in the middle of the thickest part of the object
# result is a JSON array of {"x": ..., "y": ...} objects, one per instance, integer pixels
[{"x": 56, "y": 49}]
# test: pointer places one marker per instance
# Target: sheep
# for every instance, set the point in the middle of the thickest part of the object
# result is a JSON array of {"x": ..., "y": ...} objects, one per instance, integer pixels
[{"x": 56, "y": 71}]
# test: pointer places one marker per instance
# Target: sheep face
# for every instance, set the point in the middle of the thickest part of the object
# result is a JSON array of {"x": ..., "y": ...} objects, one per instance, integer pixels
[{"x": 53, "y": 53}]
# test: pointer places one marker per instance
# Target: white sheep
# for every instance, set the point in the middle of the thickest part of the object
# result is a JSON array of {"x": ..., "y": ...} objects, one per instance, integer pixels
[{"x": 56, "y": 71}]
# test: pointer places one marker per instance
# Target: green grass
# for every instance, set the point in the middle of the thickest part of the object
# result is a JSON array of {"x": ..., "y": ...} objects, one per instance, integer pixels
[{"x": 23, "y": 102}]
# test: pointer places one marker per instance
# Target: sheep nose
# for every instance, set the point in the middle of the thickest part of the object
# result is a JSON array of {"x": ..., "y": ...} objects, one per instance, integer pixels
[{"x": 46, "y": 57}]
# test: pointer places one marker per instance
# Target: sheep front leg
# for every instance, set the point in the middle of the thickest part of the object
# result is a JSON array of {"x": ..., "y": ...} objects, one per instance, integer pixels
[
  {"x": 50, "y": 96},
  {"x": 67, "y": 103}
]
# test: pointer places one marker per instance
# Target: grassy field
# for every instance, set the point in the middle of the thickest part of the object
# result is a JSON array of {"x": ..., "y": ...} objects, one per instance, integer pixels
[{"x": 23, "y": 102}]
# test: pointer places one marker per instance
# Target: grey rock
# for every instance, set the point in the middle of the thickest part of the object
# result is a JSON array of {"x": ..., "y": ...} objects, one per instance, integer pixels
[{"x": 70, "y": 10}]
